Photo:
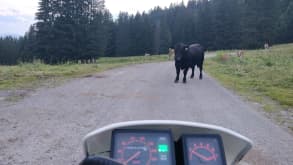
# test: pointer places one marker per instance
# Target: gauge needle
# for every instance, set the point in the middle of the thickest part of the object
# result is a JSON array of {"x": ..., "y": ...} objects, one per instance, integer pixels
[
  {"x": 132, "y": 157},
  {"x": 202, "y": 157}
]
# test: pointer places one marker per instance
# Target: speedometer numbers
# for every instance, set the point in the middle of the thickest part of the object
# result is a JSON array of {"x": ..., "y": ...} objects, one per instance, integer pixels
[
  {"x": 203, "y": 150},
  {"x": 143, "y": 147},
  {"x": 136, "y": 150}
]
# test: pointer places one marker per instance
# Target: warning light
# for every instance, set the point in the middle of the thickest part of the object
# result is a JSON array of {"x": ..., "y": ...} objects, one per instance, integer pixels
[{"x": 163, "y": 148}]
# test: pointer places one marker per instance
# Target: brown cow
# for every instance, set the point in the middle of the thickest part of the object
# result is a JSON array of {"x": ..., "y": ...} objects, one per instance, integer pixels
[{"x": 171, "y": 53}]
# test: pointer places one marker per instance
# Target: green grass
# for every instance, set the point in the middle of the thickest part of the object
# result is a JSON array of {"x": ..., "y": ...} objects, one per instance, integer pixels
[
  {"x": 33, "y": 74},
  {"x": 258, "y": 75}
]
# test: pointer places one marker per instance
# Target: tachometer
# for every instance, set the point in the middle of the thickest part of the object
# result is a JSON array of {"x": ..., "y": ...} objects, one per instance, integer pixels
[
  {"x": 132, "y": 147},
  {"x": 203, "y": 150}
]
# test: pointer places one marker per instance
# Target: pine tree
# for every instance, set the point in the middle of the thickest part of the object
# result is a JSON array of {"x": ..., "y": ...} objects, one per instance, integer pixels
[
  {"x": 28, "y": 46},
  {"x": 44, "y": 28},
  {"x": 205, "y": 32},
  {"x": 9, "y": 50},
  {"x": 98, "y": 35},
  {"x": 285, "y": 28},
  {"x": 110, "y": 49},
  {"x": 62, "y": 28},
  {"x": 123, "y": 42},
  {"x": 225, "y": 23},
  {"x": 267, "y": 20}
]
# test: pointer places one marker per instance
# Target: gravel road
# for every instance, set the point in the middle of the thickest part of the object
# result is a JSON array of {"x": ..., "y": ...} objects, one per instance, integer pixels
[{"x": 47, "y": 126}]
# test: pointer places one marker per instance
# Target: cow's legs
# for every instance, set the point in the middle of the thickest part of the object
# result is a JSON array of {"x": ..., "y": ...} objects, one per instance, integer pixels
[
  {"x": 200, "y": 70},
  {"x": 192, "y": 75},
  {"x": 185, "y": 73},
  {"x": 177, "y": 74}
]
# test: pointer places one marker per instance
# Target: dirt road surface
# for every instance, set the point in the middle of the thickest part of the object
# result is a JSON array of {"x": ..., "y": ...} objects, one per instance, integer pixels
[{"x": 47, "y": 126}]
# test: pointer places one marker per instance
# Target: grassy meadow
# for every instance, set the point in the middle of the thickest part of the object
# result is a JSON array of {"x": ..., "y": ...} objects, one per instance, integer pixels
[
  {"x": 32, "y": 74},
  {"x": 261, "y": 75}
]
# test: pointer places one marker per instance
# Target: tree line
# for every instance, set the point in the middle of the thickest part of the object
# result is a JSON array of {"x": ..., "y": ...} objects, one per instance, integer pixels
[{"x": 75, "y": 30}]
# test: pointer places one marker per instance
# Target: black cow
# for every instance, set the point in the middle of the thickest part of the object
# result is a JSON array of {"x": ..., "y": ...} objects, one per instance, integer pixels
[{"x": 188, "y": 56}]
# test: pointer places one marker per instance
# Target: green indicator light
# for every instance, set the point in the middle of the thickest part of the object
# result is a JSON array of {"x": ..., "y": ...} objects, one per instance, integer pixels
[{"x": 163, "y": 148}]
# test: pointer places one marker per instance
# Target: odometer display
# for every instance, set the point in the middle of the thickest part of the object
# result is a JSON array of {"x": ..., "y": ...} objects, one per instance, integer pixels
[
  {"x": 203, "y": 150},
  {"x": 131, "y": 147}
]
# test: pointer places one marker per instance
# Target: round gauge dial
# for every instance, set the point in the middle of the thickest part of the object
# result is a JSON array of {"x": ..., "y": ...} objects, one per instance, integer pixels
[
  {"x": 137, "y": 150},
  {"x": 202, "y": 152},
  {"x": 142, "y": 147}
]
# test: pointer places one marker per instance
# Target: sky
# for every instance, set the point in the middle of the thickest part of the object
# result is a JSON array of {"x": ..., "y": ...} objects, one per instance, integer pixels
[{"x": 17, "y": 15}]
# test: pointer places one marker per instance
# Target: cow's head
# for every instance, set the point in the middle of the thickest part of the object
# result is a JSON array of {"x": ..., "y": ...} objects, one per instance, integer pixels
[{"x": 180, "y": 51}]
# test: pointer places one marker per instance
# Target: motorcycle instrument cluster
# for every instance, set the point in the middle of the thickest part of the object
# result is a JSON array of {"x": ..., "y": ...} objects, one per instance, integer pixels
[{"x": 149, "y": 147}]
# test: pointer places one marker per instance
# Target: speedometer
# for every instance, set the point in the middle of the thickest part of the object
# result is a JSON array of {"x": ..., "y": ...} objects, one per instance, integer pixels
[
  {"x": 203, "y": 150},
  {"x": 146, "y": 147}
]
